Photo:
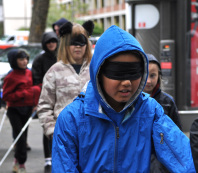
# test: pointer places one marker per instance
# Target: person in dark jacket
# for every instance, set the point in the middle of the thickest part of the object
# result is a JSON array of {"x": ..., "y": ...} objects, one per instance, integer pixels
[
  {"x": 56, "y": 25},
  {"x": 194, "y": 142},
  {"x": 45, "y": 60},
  {"x": 21, "y": 96},
  {"x": 40, "y": 66},
  {"x": 165, "y": 100}
]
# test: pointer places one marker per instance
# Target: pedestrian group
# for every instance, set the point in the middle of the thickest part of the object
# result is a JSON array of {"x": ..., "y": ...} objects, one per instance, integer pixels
[{"x": 104, "y": 112}]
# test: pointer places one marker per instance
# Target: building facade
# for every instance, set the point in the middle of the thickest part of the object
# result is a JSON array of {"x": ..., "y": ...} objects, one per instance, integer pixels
[
  {"x": 15, "y": 15},
  {"x": 103, "y": 12}
]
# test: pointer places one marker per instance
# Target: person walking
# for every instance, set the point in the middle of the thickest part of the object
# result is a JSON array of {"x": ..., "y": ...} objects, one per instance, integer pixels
[
  {"x": 21, "y": 96},
  {"x": 65, "y": 79},
  {"x": 56, "y": 25},
  {"x": 153, "y": 88},
  {"x": 112, "y": 125},
  {"x": 40, "y": 66},
  {"x": 164, "y": 99},
  {"x": 47, "y": 58}
]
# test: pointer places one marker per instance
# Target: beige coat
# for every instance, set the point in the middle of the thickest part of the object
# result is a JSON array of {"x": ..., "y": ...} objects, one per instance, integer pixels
[{"x": 61, "y": 84}]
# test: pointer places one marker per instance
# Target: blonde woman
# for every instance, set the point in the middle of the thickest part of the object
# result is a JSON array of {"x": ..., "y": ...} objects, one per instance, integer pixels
[{"x": 66, "y": 78}]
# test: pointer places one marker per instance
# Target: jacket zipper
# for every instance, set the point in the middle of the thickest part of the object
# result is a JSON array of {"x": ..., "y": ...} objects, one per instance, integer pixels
[
  {"x": 117, "y": 136},
  {"x": 162, "y": 142},
  {"x": 162, "y": 138},
  {"x": 117, "y": 133}
]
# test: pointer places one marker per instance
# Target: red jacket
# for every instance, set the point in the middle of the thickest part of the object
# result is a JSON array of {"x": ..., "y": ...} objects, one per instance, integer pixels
[{"x": 18, "y": 89}]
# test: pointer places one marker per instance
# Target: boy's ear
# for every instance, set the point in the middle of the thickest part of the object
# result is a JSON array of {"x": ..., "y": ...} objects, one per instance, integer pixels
[
  {"x": 66, "y": 28},
  {"x": 89, "y": 26}
]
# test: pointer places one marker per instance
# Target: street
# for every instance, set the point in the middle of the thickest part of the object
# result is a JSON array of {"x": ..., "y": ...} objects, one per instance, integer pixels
[{"x": 35, "y": 160}]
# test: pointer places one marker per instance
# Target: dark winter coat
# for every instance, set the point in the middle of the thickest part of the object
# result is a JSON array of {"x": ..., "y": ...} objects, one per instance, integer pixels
[
  {"x": 44, "y": 60},
  {"x": 169, "y": 106},
  {"x": 194, "y": 142}
]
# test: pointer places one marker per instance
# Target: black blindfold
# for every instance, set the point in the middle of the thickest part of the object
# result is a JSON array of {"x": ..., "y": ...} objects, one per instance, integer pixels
[
  {"x": 122, "y": 70},
  {"x": 79, "y": 40}
]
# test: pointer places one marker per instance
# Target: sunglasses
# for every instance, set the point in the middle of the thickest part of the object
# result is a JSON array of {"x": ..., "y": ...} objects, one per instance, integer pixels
[{"x": 51, "y": 41}]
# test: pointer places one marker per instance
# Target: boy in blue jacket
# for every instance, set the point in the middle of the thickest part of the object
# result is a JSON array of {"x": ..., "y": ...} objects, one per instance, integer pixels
[{"x": 112, "y": 125}]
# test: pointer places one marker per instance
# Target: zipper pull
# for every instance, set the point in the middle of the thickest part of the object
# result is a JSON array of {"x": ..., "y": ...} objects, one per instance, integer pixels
[
  {"x": 117, "y": 132},
  {"x": 162, "y": 138}
]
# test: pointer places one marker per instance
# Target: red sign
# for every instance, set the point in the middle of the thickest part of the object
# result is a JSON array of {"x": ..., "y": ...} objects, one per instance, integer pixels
[
  {"x": 142, "y": 24},
  {"x": 166, "y": 65}
]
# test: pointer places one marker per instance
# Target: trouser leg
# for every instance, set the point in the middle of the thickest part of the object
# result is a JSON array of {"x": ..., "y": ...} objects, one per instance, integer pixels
[
  {"x": 47, "y": 146},
  {"x": 18, "y": 121}
]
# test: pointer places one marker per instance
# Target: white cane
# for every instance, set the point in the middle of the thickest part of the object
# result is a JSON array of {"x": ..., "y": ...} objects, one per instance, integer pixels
[
  {"x": 3, "y": 119},
  {"x": 17, "y": 138}
]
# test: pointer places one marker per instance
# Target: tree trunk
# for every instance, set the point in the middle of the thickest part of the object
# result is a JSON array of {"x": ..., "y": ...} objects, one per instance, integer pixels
[{"x": 38, "y": 22}]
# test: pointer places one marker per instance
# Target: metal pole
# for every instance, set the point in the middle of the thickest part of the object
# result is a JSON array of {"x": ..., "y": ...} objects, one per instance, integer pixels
[
  {"x": 3, "y": 119},
  {"x": 17, "y": 138}
]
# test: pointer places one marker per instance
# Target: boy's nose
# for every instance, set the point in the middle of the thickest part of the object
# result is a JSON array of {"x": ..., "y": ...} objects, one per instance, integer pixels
[
  {"x": 148, "y": 80},
  {"x": 126, "y": 82}
]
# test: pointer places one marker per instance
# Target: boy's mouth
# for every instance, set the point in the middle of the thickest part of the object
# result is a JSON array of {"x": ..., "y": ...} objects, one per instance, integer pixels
[{"x": 125, "y": 91}]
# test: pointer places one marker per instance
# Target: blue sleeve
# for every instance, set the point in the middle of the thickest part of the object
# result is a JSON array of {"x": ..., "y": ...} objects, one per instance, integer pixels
[
  {"x": 65, "y": 144},
  {"x": 172, "y": 146}
]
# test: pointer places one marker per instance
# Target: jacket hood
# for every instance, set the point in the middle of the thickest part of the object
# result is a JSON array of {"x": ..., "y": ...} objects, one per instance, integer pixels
[
  {"x": 46, "y": 37},
  {"x": 112, "y": 41},
  {"x": 59, "y": 22},
  {"x": 14, "y": 54},
  {"x": 151, "y": 58}
]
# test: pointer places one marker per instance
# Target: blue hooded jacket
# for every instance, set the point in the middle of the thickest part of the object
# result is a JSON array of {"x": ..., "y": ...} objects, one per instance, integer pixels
[{"x": 87, "y": 140}]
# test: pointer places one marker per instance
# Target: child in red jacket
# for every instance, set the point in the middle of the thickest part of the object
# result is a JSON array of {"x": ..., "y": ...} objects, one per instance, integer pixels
[{"x": 21, "y": 96}]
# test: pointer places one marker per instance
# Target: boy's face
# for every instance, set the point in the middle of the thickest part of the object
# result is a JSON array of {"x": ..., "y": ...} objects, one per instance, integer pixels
[
  {"x": 118, "y": 92},
  {"x": 22, "y": 63},
  {"x": 152, "y": 78},
  {"x": 51, "y": 45}
]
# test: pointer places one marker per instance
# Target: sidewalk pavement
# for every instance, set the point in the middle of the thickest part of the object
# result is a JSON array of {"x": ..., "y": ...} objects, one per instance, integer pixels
[{"x": 35, "y": 160}]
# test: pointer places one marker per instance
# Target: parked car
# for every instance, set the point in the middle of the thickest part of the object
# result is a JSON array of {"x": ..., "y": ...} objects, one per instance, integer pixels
[
  {"x": 93, "y": 40},
  {"x": 32, "y": 49},
  {"x": 16, "y": 38}
]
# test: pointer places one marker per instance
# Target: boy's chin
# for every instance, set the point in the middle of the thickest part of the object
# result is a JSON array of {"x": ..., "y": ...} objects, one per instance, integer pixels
[{"x": 23, "y": 68}]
